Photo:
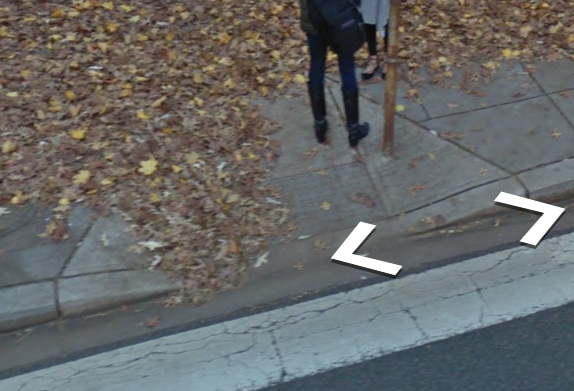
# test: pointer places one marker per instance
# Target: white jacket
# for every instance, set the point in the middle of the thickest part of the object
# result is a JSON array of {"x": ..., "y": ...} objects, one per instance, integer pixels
[{"x": 376, "y": 12}]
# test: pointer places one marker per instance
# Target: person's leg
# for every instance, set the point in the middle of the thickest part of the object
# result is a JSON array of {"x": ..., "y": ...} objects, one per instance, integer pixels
[
  {"x": 373, "y": 64},
  {"x": 318, "y": 52},
  {"x": 350, "y": 91}
]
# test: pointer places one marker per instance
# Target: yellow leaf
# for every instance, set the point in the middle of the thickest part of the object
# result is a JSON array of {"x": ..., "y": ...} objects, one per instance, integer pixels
[
  {"x": 148, "y": 167},
  {"x": 158, "y": 102},
  {"x": 142, "y": 38},
  {"x": 167, "y": 131},
  {"x": 13, "y": 94},
  {"x": 300, "y": 79},
  {"x": 197, "y": 79},
  {"x": 9, "y": 147},
  {"x": 78, "y": 134},
  {"x": 103, "y": 46},
  {"x": 108, "y": 5},
  {"x": 112, "y": 27},
  {"x": 18, "y": 198},
  {"x": 229, "y": 83},
  {"x": 125, "y": 93},
  {"x": 141, "y": 79},
  {"x": 64, "y": 202},
  {"x": 25, "y": 73},
  {"x": 4, "y": 31},
  {"x": 126, "y": 8},
  {"x": 142, "y": 115},
  {"x": 198, "y": 101},
  {"x": 176, "y": 169},
  {"x": 70, "y": 95},
  {"x": 155, "y": 198},
  {"x": 74, "y": 64},
  {"x": 264, "y": 90},
  {"x": 82, "y": 177},
  {"x": 554, "y": 29},
  {"x": 326, "y": 206},
  {"x": 106, "y": 182},
  {"x": 399, "y": 108},
  {"x": 58, "y": 14},
  {"x": 275, "y": 54},
  {"x": 169, "y": 36}
]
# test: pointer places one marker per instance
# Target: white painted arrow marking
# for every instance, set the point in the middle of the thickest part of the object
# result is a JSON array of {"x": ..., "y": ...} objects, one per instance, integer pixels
[
  {"x": 345, "y": 253},
  {"x": 550, "y": 214}
]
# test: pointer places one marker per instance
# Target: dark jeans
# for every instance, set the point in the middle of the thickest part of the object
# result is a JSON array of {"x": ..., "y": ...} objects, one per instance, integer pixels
[
  {"x": 318, "y": 50},
  {"x": 371, "y": 33}
]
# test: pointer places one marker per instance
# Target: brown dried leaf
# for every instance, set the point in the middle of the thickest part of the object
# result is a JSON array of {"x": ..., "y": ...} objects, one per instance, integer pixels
[
  {"x": 415, "y": 189},
  {"x": 57, "y": 230},
  {"x": 152, "y": 322},
  {"x": 362, "y": 198}
]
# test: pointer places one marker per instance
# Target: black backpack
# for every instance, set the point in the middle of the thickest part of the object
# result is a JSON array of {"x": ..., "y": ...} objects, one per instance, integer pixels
[{"x": 340, "y": 23}]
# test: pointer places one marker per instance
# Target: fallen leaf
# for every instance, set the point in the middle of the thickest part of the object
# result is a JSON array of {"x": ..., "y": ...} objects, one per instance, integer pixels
[
  {"x": 415, "y": 162},
  {"x": 362, "y": 198},
  {"x": 311, "y": 153},
  {"x": 9, "y": 147},
  {"x": 320, "y": 245},
  {"x": 399, "y": 108},
  {"x": 82, "y": 177},
  {"x": 299, "y": 266},
  {"x": 555, "y": 133},
  {"x": 452, "y": 105},
  {"x": 152, "y": 245},
  {"x": 148, "y": 167},
  {"x": 326, "y": 206},
  {"x": 322, "y": 172},
  {"x": 152, "y": 322},
  {"x": 57, "y": 230},
  {"x": 415, "y": 189},
  {"x": 78, "y": 134},
  {"x": 261, "y": 260},
  {"x": 431, "y": 156}
]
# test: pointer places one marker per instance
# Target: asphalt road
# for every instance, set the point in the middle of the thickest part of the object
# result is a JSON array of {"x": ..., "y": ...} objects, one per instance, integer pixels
[{"x": 532, "y": 353}]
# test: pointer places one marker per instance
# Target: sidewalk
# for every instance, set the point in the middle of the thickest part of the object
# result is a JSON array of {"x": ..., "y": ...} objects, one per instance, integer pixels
[{"x": 454, "y": 154}]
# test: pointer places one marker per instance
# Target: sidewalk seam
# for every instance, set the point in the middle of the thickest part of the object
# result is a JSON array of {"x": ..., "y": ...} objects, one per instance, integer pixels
[{"x": 548, "y": 95}]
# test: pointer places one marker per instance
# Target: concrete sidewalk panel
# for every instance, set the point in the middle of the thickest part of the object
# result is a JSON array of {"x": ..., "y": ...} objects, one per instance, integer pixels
[
  {"x": 28, "y": 258},
  {"x": 100, "y": 291},
  {"x": 299, "y": 150},
  {"x": 508, "y": 84},
  {"x": 474, "y": 203},
  {"x": 426, "y": 168},
  {"x": 550, "y": 182},
  {"x": 516, "y": 137},
  {"x": 555, "y": 76},
  {"x": 565, "y": 102},
  {"x": 105, "y": 249},
  {"x": 26, "y": 305},
  {"x": 374, "y": 90},
  {"x": 305, "y": 194}
]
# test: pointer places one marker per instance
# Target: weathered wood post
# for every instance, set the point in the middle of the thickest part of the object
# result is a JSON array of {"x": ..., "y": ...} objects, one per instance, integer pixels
[{"x": 391, "y": 79}]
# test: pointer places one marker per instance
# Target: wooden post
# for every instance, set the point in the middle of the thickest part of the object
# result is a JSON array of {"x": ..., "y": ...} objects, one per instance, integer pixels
[{"x": 391, "y": 78}]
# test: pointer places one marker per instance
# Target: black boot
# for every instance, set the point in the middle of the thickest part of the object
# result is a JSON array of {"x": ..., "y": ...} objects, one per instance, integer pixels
[
  {"x": 356, "y": 130},
  {"x": 317, "y": 96}
]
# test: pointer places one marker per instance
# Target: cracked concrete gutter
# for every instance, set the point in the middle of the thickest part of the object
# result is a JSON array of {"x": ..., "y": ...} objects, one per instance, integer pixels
[{"x": 257, "y": 351}]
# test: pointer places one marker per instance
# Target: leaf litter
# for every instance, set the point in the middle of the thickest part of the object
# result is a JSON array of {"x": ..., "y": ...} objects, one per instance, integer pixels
[{"x": 143, "y": 107}]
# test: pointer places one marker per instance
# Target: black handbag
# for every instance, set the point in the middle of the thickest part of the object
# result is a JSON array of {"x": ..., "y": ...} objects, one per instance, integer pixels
[{"x": 341, "y": 24}]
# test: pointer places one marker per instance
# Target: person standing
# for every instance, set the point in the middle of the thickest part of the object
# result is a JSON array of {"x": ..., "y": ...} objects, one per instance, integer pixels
[
  {"x": 318, "y": 46},
  {"x": 376, "y": 17}
]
